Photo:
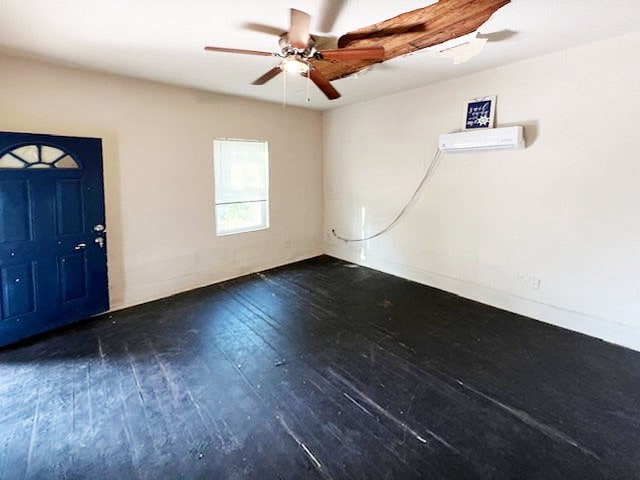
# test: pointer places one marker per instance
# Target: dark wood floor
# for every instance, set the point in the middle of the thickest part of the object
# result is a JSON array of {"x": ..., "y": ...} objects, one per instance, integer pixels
[{"x": 318, "y": 370}]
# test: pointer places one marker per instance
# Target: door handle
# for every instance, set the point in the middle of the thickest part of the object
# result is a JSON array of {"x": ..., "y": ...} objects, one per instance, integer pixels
[{"x": 80, "y": 246}]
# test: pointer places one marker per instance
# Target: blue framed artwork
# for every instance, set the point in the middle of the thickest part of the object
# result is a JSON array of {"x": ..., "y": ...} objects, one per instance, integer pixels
[{"x": 480, "y": 113}]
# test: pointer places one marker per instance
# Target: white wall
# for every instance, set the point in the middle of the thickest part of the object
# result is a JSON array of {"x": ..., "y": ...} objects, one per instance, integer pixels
[
  {"x": 564, "y": 211},
  {"x": 157, "y": 143}
]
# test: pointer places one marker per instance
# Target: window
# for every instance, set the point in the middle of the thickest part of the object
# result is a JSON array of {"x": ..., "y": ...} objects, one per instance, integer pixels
[
  {"x": 37, "y": 156},
  {"x": 241, "y": 169}
]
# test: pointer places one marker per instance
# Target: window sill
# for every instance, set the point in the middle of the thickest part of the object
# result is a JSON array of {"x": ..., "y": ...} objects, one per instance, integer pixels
[{"x": 243, "y": 230}]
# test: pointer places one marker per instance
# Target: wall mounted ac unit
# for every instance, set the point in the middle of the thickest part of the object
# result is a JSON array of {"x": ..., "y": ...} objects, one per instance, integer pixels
[{"x": 507, "y": 138}]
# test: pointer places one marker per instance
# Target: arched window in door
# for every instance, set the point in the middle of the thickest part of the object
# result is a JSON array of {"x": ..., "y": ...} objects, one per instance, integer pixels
[{"x": 38, "y": 156}]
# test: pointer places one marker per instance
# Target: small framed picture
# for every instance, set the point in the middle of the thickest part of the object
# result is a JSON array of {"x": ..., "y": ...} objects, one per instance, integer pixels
[{"x": 480, "y": 113}]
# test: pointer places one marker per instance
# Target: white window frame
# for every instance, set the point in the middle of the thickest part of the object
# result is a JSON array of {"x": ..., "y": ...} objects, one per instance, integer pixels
[{"x": 265, "y": 223}]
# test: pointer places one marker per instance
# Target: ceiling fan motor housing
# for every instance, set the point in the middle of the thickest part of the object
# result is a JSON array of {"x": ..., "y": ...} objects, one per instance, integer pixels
[{"x": 287, "y": 49}]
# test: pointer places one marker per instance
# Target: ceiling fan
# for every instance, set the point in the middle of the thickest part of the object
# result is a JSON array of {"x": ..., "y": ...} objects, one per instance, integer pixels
[{"x": 298, "y": 49}]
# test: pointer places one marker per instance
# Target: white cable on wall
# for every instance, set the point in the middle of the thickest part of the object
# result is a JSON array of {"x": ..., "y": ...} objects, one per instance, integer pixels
[{"x": 428, "y": 174}]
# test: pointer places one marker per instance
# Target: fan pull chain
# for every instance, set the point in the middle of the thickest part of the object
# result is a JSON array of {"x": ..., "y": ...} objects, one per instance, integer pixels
[
  {"x": 308, "y": 82},
  {"x": 284, "y": 93}
]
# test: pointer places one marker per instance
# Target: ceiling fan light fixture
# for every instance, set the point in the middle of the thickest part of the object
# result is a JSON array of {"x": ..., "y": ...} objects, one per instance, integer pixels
[{"x": 294, "y": 65}]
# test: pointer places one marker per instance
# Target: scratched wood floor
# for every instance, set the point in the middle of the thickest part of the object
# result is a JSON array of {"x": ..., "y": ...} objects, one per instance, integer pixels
[{"x": 318, "y": 370}]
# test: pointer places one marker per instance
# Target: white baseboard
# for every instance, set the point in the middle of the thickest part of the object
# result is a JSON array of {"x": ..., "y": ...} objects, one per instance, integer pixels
[
  {"x": 172, "y": 286},
  {"x": 601, "y": 328}
]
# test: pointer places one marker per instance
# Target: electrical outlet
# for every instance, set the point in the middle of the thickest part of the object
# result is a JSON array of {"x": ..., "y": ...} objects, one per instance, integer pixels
[{"x": 529, "y": 281}]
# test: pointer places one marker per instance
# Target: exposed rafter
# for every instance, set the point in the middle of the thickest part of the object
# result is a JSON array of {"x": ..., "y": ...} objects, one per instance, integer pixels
[{"x": 411, "y": 31}]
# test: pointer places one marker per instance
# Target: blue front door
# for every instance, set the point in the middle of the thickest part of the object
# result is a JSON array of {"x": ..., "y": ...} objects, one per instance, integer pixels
[{"x": 53, "y": 255}]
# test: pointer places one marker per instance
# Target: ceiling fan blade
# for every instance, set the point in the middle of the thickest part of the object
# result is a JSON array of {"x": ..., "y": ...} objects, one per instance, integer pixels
[
  {"x": 236, "y": 50},
  {"x": 330, "y": 12},
  {"x": 267, "y": 76},
  {"x": 299, "y": 31},
  {"x": 323, "y": 84},
  {"x": 325, "y": 42},
  {"x": 262, "y": 28},
  {"x": 369, "y": 53}
]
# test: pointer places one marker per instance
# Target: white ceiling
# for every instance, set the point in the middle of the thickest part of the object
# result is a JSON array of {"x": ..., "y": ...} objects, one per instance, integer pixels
[{"x": 163, "y": 40}]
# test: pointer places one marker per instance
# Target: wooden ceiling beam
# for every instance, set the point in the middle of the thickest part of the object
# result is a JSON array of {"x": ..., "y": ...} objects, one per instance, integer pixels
[{"x": 412, "y": 31}]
